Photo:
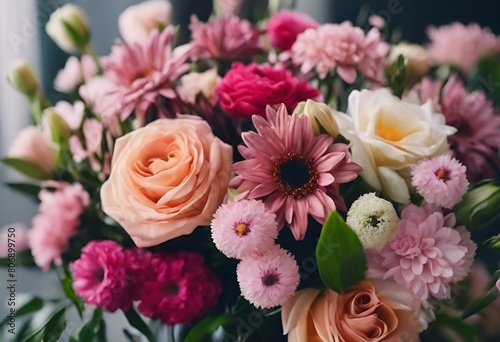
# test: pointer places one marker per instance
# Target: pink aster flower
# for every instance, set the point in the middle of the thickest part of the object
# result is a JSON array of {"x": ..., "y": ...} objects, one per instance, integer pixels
[
  {"x": 227, "y": 38},
  {"x": 177, "y": 288},
  {"x": 342, "y": 48},
  {"x": 56, "y": 222},
  {"x": 244, "y": 227},
  {"x": 269, "y": 279},
  {"x": 103, "y": 277},
  {"x": 460, "y": 45},
  {"x": 440, "y": 180},
  {"x": 426, "y": 254},
  {"x": 284, "y": 27},
  {"x": 295, "y": 172}
]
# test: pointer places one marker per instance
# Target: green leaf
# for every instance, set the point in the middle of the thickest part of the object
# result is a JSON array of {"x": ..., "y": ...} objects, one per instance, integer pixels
[
  {"x": 26, "y": 167},
  {"x": 52, "y": 330},
  {"x": 471, "y": 204},
  {"x": 136, "y": 321},
  {"x": 465, "y": 331},
  {"x": 31, "y": 306},
  {"x": 87, "y": 331},
  {"x": 207, "y": 326},
  {"x": 129, "y": 336},
  {"x": 340, "y": 255},
  {"x": 28, "y": 189},
  {"x": 70, "y": 293},
  {"x": 396, "y": 76},
  {"x": 480, "y": 303}
]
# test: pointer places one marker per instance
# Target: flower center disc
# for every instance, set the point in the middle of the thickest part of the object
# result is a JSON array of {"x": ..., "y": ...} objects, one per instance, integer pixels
[
  {"x": 241, "y": 229},
  {"x": 295, "y": 175},
  {"x": 270, "y": 280}
]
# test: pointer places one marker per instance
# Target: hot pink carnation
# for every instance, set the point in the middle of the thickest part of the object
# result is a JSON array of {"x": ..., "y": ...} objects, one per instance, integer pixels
[
  {"x": 460, "y": 45},
  {"x": 56, "y": 222},
  {"x": 342, "y": 48},
  {"x": 248, "y": 89},
  {"x": 227, "y": 38},
  {"x": 426, "y": 254},
  {"x": 178, "y": 288},
  {"x": 284, "y": 27},
  {"x": 103, "y": 276}
]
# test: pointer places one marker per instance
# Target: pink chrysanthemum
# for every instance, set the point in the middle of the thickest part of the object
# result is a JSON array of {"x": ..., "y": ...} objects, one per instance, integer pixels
[
  {"x": 440, "y": 180},
  {"x": 178, "y": 288},
  {"x": 227, "y": 38},
  {"x": 139, "y": 73},
  {"x": 269, "y": 279},
  {"x": 244, "y": 227},
  {"x": 294, "y": 171},
  {"x": 460, "y": 45},
  {"x": 56, "y": 222},
  {"x": 102, "y": 276},
  {"x": 426, "y": 254},
  {"x": 343, "y": 48}
]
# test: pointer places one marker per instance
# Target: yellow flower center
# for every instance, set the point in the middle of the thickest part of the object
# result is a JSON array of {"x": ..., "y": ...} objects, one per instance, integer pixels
[
  {"x": 241, "y": 229},
  {"x": 388, "y": 132}
]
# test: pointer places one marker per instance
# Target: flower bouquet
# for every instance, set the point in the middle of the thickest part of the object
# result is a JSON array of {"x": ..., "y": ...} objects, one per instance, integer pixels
[{"x": 267, "y": 180}]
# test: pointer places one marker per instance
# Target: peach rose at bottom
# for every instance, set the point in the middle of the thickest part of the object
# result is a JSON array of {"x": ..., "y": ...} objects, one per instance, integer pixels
[
  {"x": 375, "y": 310},
  {"x": 166, "y": 179}
]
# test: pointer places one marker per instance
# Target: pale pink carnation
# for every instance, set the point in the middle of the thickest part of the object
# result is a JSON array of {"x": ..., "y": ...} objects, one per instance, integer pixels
[
  {"x": 227, "y": 38},
  {"x": 244, "y": 227},
  {"x": 71, "y": 113},
  {"x": 102, "y": 276},
  {"x": 269, "y": 279},
  {"x": 56, "y": 222},
  {"x": 92, "y": 130},
  {"x": 75, "y": 72},
  {"x": 440, "y": 180},
  {"x": 342, "y": 48},
  {"x": 426, "y": 254},
  {"x": 460, "y": 45},
  {"x": 284, "y": 27},
  {"x": 15, "y": 234}
]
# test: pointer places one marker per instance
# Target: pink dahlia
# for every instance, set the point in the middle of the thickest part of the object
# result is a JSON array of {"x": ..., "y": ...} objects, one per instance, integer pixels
[
  {"x": 177, "y": 288},
  {"x": 440, "y": 180},
  {"x": 227, "y": 38},
  {"x": 342, "y": 48},
  {"x": 56, "y": 222},
  {"x": 460, "y": 45},
  {"x": 284, "y": 27},
  {"x": 426, "y": 254},
  {"x": 248, "y": 89},
  {"x": 103, "y": 277},
  {"x": 269, "y": 279},
  {"x": 244, "y": 227},
  {"x": 295, "y": 172},
  {"x": 140, "y": 73}
]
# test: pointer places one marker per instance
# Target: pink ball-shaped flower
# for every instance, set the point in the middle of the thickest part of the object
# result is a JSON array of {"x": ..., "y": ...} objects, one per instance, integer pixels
[
  {"x": 177, "y": 288},
  {"x": 284, "y": 27},
  {"x": 247, "y": 89},
  {"x": 244, "y": 227},
  {"x": 269, "y": 279}
]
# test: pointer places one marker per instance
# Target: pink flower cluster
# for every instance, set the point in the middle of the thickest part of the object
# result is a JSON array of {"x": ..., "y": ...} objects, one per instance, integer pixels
[
  {"x": 284, "y": 27},
  {"x": 56, "y": 222},
  {"x": 175, "y": 288}
]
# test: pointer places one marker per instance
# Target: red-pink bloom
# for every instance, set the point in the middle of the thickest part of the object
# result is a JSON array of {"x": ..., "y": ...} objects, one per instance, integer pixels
[
  {"x": 56, "y": 222},
  {"x": 227, "y": 38},
  {"x": 177, "y": 288},
  {"x": 284, "y": 27},
  {"x": 342, "y": 48},
  {"x": 426, "y": 254},
  {"x": 460, "y": 45},
  {"x": 248, "y": 89},
  {"x": 103, "y": 277},
  {"x": 295, "y": 172}
]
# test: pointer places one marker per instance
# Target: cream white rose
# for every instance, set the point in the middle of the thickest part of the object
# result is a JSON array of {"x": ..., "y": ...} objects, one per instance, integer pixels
[
  {"x": 388, "y": 134},
  {"x": 417, "y": 59}
]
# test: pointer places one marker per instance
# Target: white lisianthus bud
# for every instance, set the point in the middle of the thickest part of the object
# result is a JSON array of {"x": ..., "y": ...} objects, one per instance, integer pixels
[
  {"x": 373, "y": 219},
  {"x": 416, "y": 59},
  {"x": 320, "y": 116},
  {"x": 55, "y": 124},
  {"x": 68, "y": 28},
  {"x": 22, "y": 77}
]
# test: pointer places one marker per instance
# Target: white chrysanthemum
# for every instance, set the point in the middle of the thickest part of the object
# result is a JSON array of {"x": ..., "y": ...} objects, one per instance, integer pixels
[{"x": 373, "y": 219}]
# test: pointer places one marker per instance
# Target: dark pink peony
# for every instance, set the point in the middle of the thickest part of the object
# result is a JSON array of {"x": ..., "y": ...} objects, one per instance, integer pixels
[
  {"x": 177, "y": 288},
  {"x": 248, "y": 89},
  {"x": 284, "y": 27}
]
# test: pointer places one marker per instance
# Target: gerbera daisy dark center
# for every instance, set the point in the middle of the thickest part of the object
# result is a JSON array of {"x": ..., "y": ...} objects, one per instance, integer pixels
[{"x": 295, "y": 175}]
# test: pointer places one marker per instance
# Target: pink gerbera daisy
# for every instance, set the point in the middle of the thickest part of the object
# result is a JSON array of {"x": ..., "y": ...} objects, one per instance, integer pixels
[
  {"x": 270, "y": 279},
  {"x": 294, "y": 171},
  {"x": 440, "y": 180}
]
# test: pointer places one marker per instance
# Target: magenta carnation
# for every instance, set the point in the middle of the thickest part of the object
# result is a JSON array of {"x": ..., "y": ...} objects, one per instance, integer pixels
[
  {"x": 284, "y": 27},
  {"x": 177, "y": 288},
  {"x": 248, "y": 89},
  {"x": 103, "y": 276},
  {"x": 296, "y": 173},
  {"x": 426, "y": 254},
  {"x": 269, "y": 279}
]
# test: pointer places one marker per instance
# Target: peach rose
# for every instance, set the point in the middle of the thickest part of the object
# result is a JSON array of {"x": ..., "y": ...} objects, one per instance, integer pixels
[
  {"x": 166, "y": 179},
  {"x": 368, "y": 311}
]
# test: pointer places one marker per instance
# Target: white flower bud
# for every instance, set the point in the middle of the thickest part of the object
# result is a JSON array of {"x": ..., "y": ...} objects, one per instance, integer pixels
[
  {"x": 320, "y": 116},
  {"x": 68, "y": 28},
  {"x": 22, "y": 77}
]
